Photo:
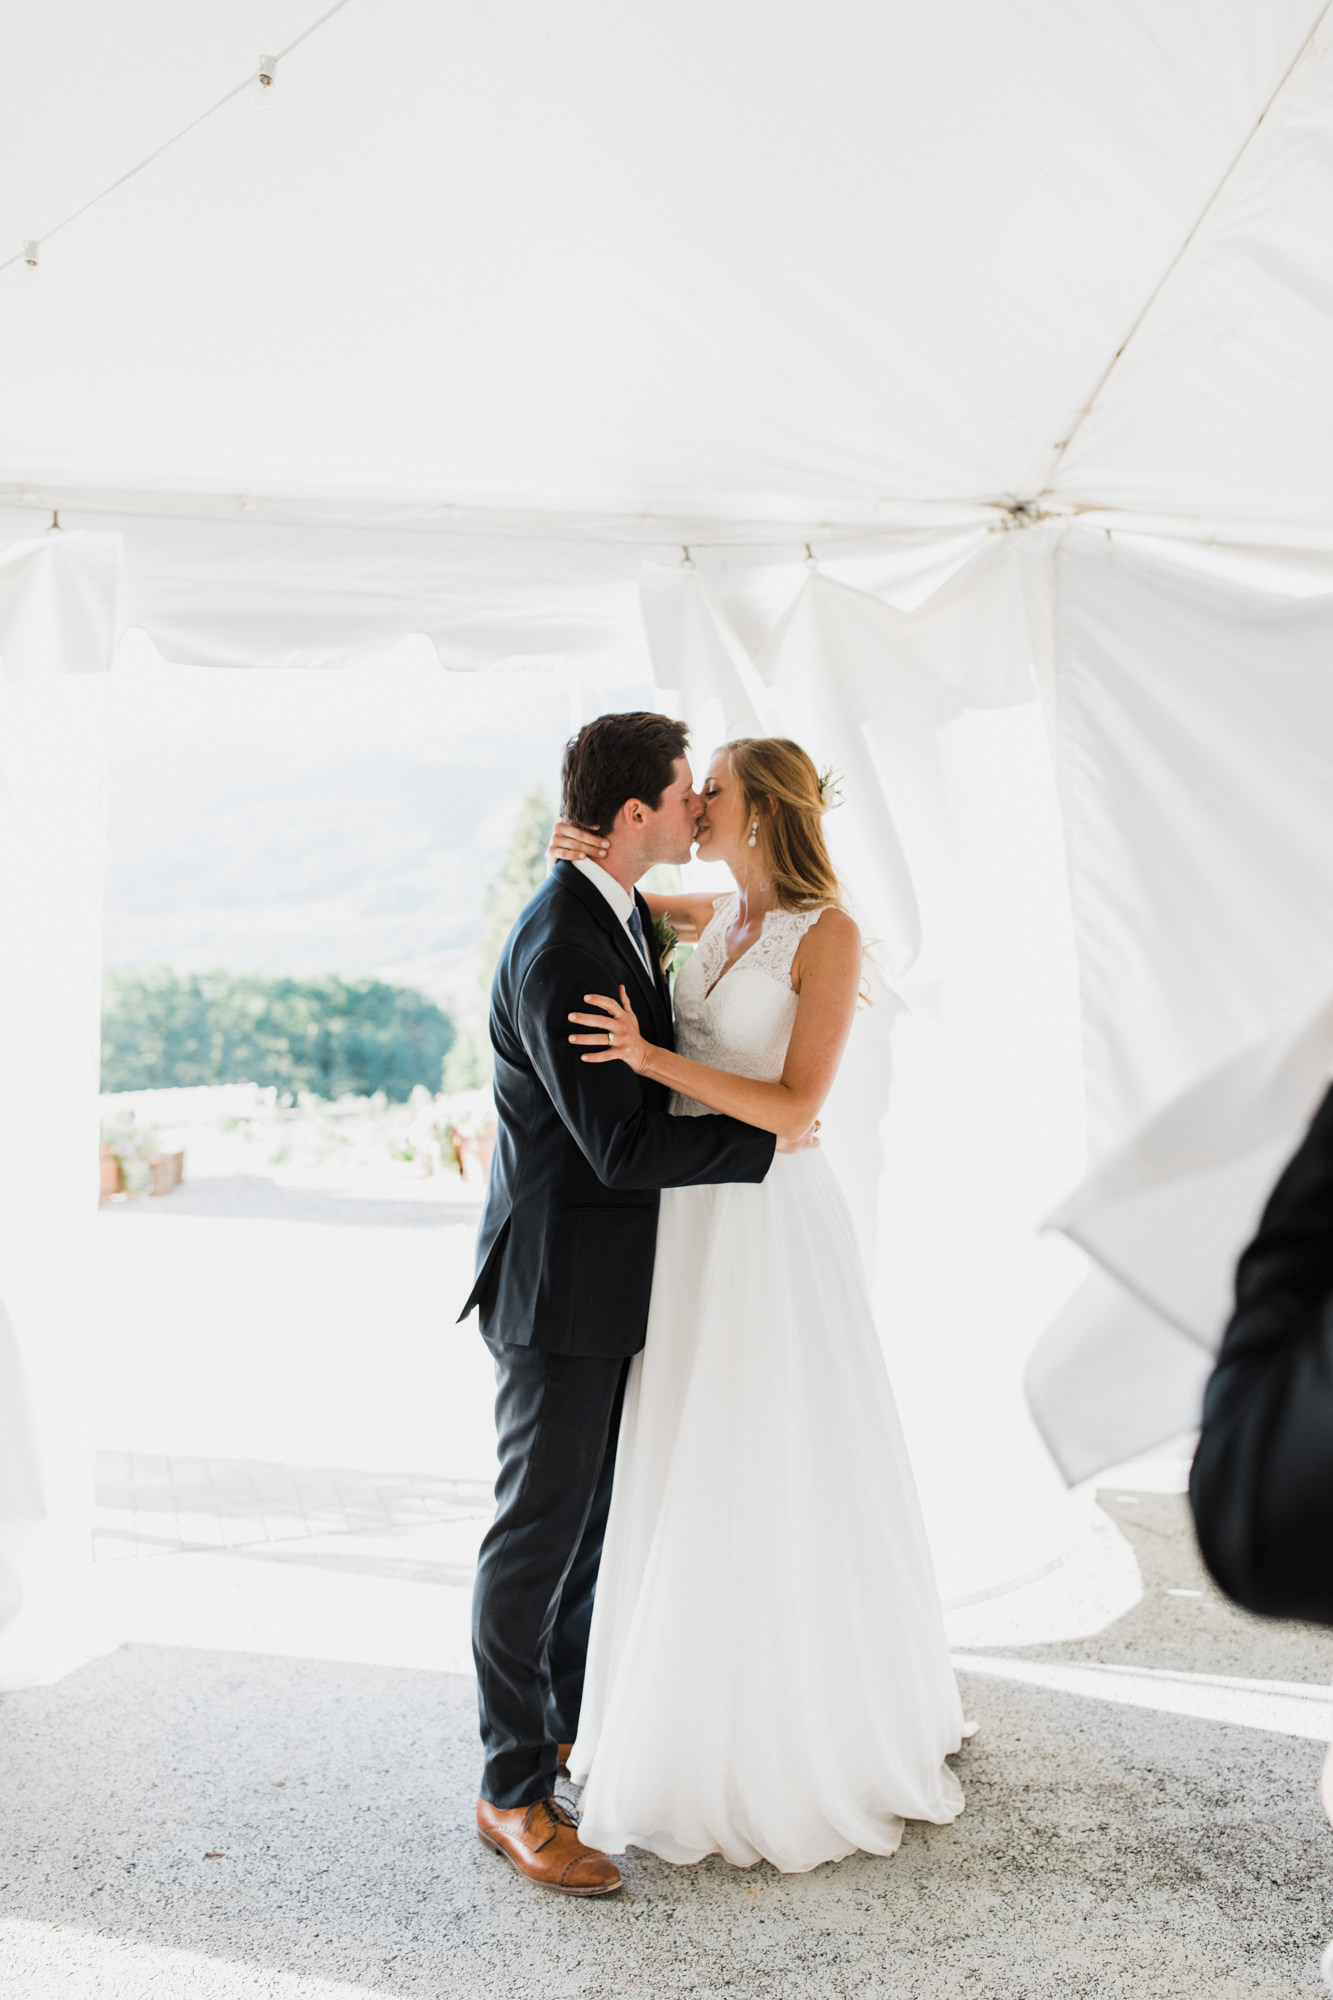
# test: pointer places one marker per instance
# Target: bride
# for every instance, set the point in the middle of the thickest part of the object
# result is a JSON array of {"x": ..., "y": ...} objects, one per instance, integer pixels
[{"x": 767, "y": 1671}]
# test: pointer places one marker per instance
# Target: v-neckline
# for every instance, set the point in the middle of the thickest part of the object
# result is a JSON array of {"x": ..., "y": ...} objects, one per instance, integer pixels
[{"x": 730, "y": 965}]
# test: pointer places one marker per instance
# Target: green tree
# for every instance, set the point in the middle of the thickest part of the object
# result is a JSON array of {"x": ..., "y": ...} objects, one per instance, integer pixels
[
  {"x": 468, "y": 1064},
  {"x": 333, "y": 1037},
  {"x": 520, "y": 874}
]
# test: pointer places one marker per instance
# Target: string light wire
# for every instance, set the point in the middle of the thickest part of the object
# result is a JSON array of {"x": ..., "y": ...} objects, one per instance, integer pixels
[{"x": 21, "y": 256}]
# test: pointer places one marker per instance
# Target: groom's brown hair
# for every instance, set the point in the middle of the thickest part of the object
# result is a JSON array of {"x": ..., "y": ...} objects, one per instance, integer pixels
[{"x": 615, "y": 758}]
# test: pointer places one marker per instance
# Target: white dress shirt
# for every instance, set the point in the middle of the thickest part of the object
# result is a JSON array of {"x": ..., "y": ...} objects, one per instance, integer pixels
[{"x": 620, "y": 899}]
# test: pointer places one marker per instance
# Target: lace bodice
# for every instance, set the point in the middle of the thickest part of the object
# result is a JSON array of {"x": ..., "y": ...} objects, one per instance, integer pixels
[{"x": 739, "y": 1020}]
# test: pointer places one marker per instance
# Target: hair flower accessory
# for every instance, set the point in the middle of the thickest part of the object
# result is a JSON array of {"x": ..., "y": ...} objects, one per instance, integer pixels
[{"x": 830, "y": 787}]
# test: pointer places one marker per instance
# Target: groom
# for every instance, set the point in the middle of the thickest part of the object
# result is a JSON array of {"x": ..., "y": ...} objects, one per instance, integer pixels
[{"x": 565, "y": 1269}]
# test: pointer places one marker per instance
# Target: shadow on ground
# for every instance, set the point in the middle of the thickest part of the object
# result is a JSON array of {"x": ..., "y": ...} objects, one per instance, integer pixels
[
  {"x": 159, "y": 1504},
  {"x": 1182, "y": 1621},
  {"x": 299, "y": 1819}
]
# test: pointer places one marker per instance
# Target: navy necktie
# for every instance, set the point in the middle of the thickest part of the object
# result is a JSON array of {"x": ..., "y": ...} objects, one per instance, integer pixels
[{"x": 636, "y": 932}]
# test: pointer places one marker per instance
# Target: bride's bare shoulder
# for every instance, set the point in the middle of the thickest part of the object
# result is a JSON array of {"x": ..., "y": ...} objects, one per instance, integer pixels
[
  {"x": 834, "y": 929},
  {"x": 831, "y": 947}
]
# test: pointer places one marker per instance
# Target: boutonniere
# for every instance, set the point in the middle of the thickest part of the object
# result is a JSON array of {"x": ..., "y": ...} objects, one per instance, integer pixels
[{"x": 667, "y": 939}]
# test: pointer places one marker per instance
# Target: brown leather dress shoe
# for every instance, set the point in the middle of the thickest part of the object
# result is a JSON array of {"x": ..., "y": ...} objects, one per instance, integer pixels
[
  {"x": 562, "y": 1753},
  {"x": 542, "y": 1841}
]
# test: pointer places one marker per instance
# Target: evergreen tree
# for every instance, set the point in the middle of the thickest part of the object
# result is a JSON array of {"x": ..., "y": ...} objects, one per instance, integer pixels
[{"x": 520, "y": 874}]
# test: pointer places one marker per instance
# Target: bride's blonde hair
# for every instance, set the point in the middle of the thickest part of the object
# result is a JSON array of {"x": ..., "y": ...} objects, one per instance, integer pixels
[{"x": 782, "y": 792}]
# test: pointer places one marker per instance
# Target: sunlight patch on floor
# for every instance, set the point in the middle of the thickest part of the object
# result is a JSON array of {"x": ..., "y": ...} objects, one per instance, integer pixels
[
  {"x": 40, "y": 1959},
  {"x": 1287, "y": 1708},
  {"x": 356, "y": 1598}
]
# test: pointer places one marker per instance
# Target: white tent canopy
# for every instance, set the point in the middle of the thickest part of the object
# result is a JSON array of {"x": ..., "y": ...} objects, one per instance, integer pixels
[
  {"x": 742, "y": 265},
  {"x": 1013, "y": 317}
]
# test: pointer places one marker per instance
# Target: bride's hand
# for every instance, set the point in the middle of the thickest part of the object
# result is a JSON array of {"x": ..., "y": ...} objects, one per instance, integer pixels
[
  {"x": 808, "y": 1140},
  {"x": 617, "y": 1038},
  {"x": 570, "y": 843}
]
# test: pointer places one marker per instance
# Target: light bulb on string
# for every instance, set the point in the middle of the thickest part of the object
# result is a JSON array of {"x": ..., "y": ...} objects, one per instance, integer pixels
[
  {"x": 260, "y": 92},
  {"x": 32, "y": 269}
]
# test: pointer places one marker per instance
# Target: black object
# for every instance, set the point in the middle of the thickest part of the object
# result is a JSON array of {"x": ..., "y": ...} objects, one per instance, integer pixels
[
  {"x": 1261, "y": 1485},
  {"x": 565, "y": 1250}
]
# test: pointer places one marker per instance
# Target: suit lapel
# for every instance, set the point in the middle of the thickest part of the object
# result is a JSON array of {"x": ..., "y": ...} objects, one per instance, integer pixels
[
  {"x": 663, "y": 990},
  {"x": 640, "y": 981}
]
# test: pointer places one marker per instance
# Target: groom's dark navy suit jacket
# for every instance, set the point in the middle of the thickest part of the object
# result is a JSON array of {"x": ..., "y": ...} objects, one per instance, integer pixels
[{"x": 565, "y": 1253}]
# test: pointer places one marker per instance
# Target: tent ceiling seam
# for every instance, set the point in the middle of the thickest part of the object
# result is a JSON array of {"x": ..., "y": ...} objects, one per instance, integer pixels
[
  {"x": 672, "y": 533},
  {"x": 657, "y": 530},
  {"x": 1113, "y": 364}
]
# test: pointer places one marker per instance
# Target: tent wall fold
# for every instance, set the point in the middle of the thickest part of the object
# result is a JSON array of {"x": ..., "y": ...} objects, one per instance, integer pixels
[
  {"x": 57, "y": 617},
  {"x": 1191, "y": 719},
  {"x": 1194, "y": 746}
]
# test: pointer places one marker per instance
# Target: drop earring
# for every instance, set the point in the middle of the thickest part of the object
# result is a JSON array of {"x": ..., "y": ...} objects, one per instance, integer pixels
[{"x": 754, "y": 833}]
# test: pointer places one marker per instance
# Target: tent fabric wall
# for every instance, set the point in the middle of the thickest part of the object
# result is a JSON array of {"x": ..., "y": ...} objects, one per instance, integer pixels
[
  {"x": 1194, "y": 746},
  {"x": 268, "y": 584},
  {"x": 1192, "y": 728},
  {"x": 57, "y": 607}
]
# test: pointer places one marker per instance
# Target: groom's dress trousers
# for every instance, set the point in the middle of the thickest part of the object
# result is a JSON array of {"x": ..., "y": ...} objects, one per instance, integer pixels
[{"x": 564, "y": 1277}]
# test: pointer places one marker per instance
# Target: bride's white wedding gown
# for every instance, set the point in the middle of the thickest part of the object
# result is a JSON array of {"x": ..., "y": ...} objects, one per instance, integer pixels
[{"x": 767, "y": 1669}]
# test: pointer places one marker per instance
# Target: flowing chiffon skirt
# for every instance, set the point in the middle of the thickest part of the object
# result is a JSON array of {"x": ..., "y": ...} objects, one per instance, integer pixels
[{"x": 767, "y": 1672}]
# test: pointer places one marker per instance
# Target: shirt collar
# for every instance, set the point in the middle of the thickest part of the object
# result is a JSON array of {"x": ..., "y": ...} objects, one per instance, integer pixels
[{"x": 619, "y": 898}]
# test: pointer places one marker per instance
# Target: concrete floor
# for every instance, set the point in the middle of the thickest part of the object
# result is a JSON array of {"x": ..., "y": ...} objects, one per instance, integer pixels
[{"x": 267, "y": 1789}]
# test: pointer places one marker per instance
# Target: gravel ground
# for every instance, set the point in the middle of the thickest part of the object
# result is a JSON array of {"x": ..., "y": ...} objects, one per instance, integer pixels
[
  {"x": 268, "y": 1791},
  {"x": 178, "y": 1821}
]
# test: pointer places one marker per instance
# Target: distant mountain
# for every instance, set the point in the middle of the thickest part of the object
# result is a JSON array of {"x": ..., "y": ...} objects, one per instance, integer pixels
[{"x": 320, "y": 822}]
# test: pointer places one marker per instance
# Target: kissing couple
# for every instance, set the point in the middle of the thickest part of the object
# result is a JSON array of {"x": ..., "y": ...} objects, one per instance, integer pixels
[{"x": 706, "y": 1595}]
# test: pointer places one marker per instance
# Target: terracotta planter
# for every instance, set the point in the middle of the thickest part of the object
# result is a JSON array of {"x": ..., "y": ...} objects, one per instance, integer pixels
[
  {"x": 113, "y": 1181},
  {"x": 475, "y": 1153},
  {"x": 167, "y": 1169},
  {"x": 168, "y": 1172}
]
